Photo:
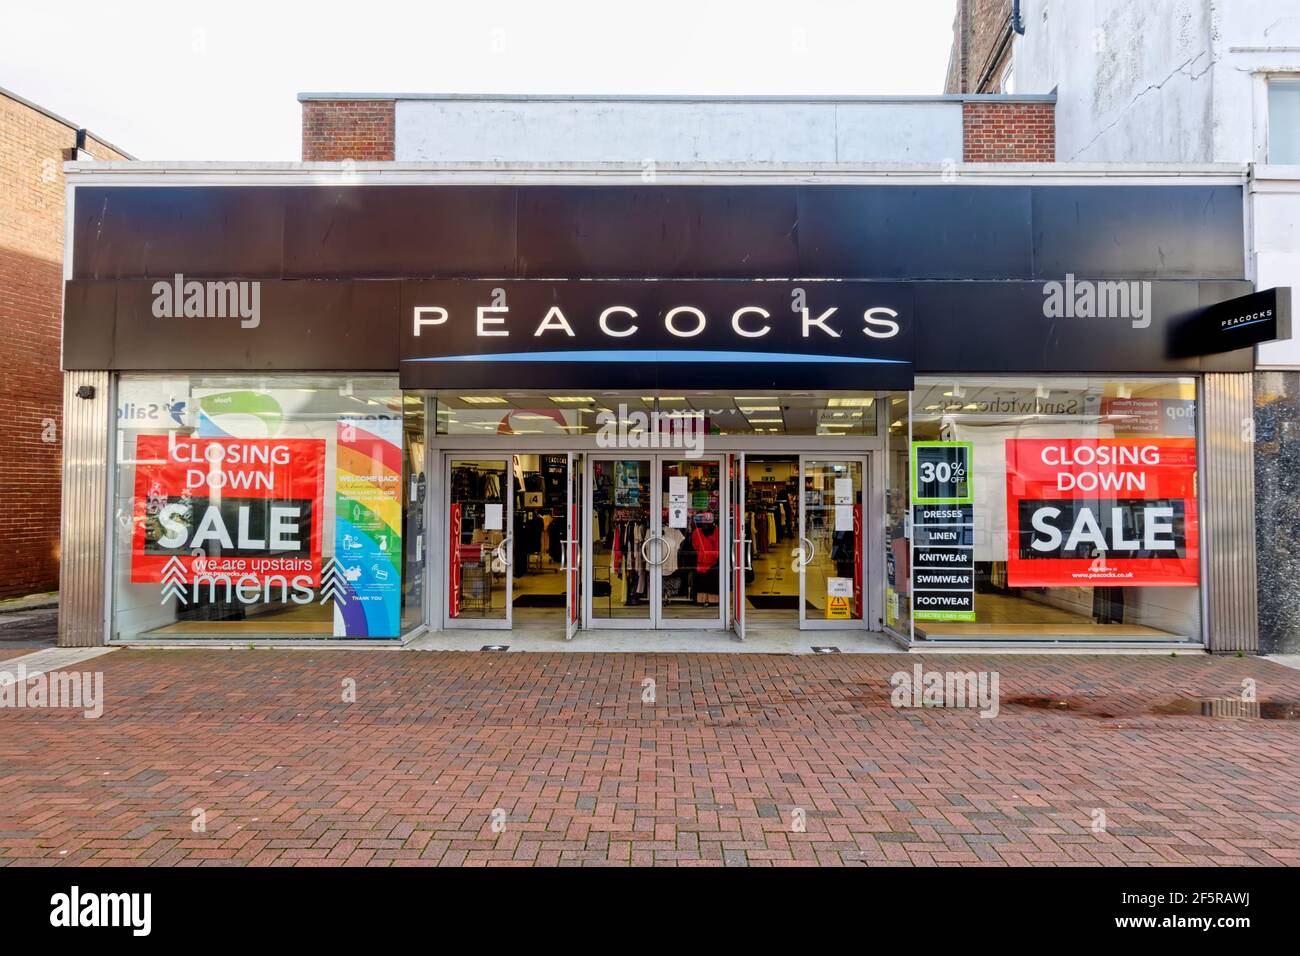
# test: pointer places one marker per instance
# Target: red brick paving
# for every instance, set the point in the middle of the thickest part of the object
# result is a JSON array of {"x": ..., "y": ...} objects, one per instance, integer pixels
[{"x": 581, "y": 771}]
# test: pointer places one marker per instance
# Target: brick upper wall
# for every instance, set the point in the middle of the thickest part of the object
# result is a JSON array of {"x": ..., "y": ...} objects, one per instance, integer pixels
[
  {"x": 993, "y": 131},
  {"x": 1008, "y": 132},
  {"x": 335, "y": 130},
  {"x": 33, "y": 148},
  {"x": 981, "y": 46}
]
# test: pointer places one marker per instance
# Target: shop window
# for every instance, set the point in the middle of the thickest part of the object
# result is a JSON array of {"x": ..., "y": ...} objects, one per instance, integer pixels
[
  {"x": 276, "y": 507},
  {"x": 1060, "y": 508}
]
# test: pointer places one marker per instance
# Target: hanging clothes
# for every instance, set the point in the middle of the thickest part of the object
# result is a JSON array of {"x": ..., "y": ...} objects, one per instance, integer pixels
[
  {"x": 705, "y": 544},
  {"x": 674, "y": 539}
]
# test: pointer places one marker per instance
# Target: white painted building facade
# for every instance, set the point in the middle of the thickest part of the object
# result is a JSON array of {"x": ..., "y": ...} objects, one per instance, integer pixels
[
  {"x": 1182, "y": 81},
  {"x": 678, "y": 129}
]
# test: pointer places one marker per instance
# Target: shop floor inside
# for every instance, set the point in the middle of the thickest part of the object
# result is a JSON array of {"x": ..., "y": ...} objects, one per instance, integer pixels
[{"x": 1010, "y": 616}]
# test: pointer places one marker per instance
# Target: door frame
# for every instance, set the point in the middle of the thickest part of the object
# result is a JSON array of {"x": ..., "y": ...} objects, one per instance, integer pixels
[
  {"x": 862, "y": 544},
  {"x": 719, "y": 622},
  {"x": 742, "y": 558},
  {"x": 508, "y": 494},
  {"x": 589, "y": 620},
  {"x": 571, "y": 563}
]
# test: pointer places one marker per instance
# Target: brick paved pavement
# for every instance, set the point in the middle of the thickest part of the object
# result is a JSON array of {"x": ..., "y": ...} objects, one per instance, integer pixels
[{"x": 583, "y": 772}]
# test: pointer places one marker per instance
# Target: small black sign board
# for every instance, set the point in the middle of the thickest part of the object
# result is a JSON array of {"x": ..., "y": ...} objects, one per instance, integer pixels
[
  {"x": 1238, "y": 323},
  {"x": 943, "y": 532},
  {"x": 943, "y": 514},
  {"x": 943, "y": 605},
  {"x": 942, "y": 536},
  {"x": 960, "y": 558},
  {"x": 941, "y": 472}
]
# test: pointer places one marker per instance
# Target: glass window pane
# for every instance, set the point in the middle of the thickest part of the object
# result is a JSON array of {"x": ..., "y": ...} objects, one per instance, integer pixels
[
  {"x": 690, "y": 558},
  {"x": 832, "y": 492},
  {"x": 1284, "y": 121},
  {"x": 274, "y": 506},
  {"x": 620, "y": 529},
  {"x": 478, "y": 515}
]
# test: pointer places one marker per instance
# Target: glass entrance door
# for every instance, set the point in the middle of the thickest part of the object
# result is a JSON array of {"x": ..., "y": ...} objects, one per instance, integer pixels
[
  {"x": 621, "y": 523},
  {"x": 831, "y": 534},
  {"x": 480, "y": 512},
  {"x": 691, "y": 544},
  {"x": 658, "y": 554}
]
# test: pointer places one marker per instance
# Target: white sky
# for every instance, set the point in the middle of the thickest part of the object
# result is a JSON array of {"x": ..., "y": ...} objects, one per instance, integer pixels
[{"x": 218, "y": 80}]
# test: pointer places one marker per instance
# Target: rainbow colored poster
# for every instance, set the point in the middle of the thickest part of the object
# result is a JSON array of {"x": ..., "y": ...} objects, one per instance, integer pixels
[{"x": 368, "y": 528}]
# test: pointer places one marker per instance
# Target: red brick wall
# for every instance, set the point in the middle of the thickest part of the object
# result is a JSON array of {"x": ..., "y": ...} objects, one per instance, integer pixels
[
  {"x": 32, "y": 152},
  {"x": 1008, "y": 132},
  {"x": 980, "y": 50},
  {"x": 335, "y": 130}
]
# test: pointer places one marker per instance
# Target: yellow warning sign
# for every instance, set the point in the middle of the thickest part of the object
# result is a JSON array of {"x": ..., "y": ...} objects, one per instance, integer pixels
[
  {"x": 839, "y": 591},
  {"x": 837, "y": 608}
]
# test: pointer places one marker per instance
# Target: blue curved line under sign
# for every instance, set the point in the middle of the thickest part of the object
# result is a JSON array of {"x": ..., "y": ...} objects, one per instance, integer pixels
[{"x": 658, "y": 355}]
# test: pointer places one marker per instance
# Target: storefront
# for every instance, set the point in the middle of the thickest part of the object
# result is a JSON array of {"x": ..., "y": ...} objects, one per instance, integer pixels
[{"x": 307, "y": 407}]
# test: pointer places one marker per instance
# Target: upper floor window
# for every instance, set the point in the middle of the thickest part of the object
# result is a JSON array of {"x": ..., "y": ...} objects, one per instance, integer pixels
[{"x": 1284, "y": 121}]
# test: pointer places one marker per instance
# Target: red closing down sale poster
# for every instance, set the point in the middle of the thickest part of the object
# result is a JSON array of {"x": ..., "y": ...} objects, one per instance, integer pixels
[
  {"x": 1102, "y": 512},
  {"x": 246, "y": 509}
]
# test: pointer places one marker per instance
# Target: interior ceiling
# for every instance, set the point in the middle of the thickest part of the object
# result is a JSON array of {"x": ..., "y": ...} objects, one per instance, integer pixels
[
  {"x": 1009, "y": 401},
  {"x": 753, "y": 411}
]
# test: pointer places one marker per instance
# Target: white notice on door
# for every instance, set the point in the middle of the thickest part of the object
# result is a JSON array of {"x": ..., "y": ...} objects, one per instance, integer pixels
[
  {"x": 677, "y": 495},
  {"x": 844, "y": 491},
  {"x": 844, "y": 517},
  {"x": 493, "y": 517}
]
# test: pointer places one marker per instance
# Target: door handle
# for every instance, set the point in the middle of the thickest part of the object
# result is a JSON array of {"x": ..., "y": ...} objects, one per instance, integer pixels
[
  {"x": 566, "y": 545},
  {"x": 500, "y": 551},
  {"x": 803, "y": 556},
  {"x": 663, "y": 556}
]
